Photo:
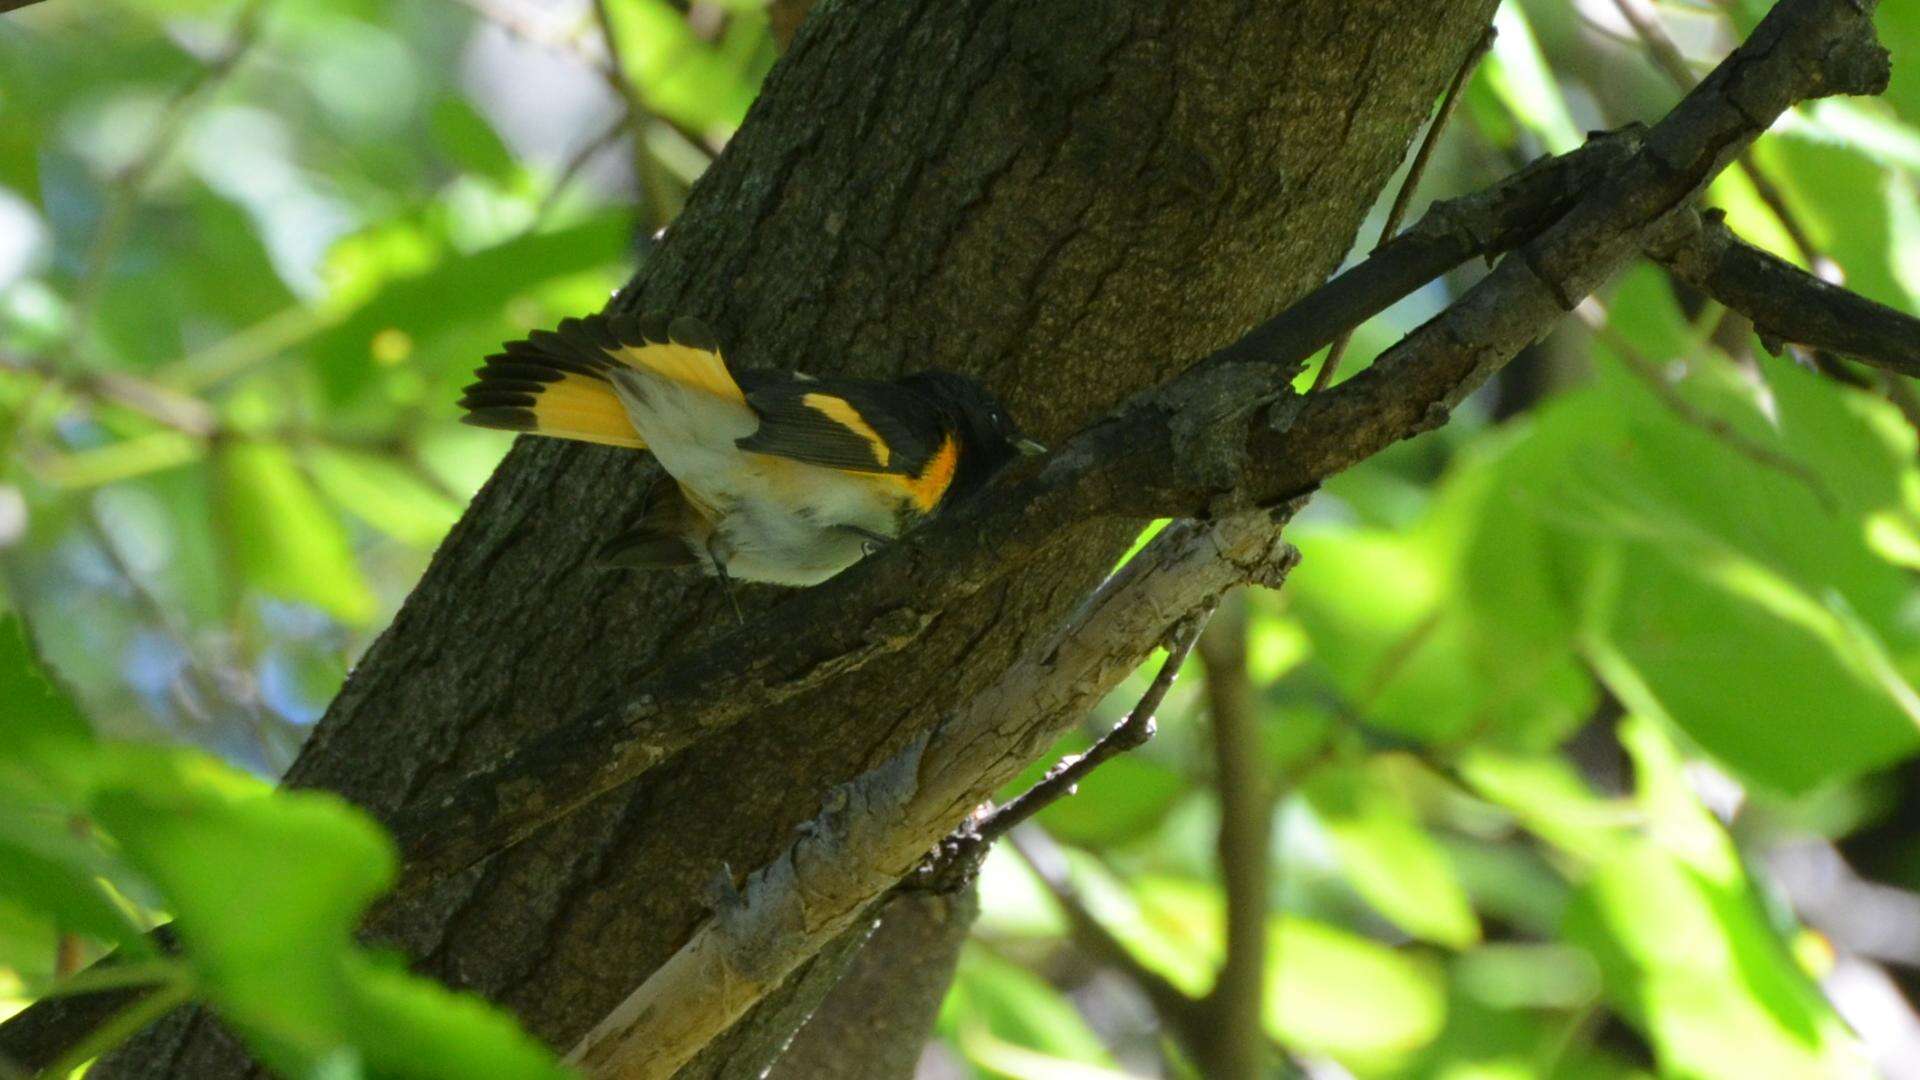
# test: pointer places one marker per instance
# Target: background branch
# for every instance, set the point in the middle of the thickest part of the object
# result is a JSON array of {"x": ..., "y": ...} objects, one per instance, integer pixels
[
  {"x": 1245, "y": 794},
  {"x": 664, "y": 711}
]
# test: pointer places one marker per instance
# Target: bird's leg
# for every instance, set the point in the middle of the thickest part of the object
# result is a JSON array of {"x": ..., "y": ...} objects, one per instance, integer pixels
[
  {"x": 870, "y": 541},
  {"x": 720, "y": 573}
]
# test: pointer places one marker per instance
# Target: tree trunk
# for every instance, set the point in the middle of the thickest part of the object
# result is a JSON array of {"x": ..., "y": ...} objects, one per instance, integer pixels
[{"x": 1068, "y": 200}]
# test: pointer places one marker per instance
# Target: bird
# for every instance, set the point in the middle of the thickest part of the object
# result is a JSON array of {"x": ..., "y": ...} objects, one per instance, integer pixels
[{"x": 771, "y": 475}]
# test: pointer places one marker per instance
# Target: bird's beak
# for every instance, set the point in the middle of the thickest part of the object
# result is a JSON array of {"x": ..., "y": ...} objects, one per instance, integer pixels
[{"x": 1029, "y": 448}]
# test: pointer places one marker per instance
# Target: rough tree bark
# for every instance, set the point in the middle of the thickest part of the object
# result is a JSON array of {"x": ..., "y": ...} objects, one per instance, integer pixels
[{"x": 1057, "y": 198}]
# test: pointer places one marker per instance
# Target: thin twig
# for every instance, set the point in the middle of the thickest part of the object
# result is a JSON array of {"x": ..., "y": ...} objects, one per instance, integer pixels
[
  {"x": 69, "y": 954},
  {"x": 1241, "y": 781},
  {"x": 123, "y": 195},
  {"x": 168, "y": 408},
  {"x": 1784, "y": 302},
  {"x": 127, "y": 185},
  {"x": 1668, "y": 58},
  {"x": 575, "y": 47},
  {"x": 784, "y": 18},
  {"x": 1182, "y": 1013},
  {"x": 197, "y": 676},
  {"x": 955, "y": 862},
  {"x": 588, "y": 150},
  {"x": 657, "y": 209},
  {"x": 1404, "y": 198}
]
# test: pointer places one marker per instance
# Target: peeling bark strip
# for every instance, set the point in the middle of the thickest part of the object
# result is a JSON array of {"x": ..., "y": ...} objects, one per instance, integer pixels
[{"x": 875, "y": 828}]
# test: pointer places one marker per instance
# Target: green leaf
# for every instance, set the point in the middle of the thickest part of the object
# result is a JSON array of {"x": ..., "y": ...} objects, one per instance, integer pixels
[
  {"x": 32, "y": 705},
  {"x": 384, "y": 494},
  {"x": 464, "y": 135},
  {"x": 1687, "y": 951},
  {"x": 1390, "y": 860},
  {"x": 1016, "y": 1008},
  {"x": 284, "y": 537},
  {"x": 1382, "y": 612},
  {"x": 418, "y": 302},
  {"x": 266, "y": 888},
  {"x": 1519, "y": 75},
  {"x": 65, "y": 891},
  {"x": 1546, "y": 795},
  {"x": 704, "y": 86},
  {"x": 1838, "y": 193},
  {"x": 1357, "y": 1001},
  {"x": 1737, "y": 596},
  {"x": 1695, "y": 966}
]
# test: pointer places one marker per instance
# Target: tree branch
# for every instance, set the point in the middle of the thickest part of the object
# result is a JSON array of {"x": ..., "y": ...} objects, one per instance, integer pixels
[
  {"x": 874, "y": 829},
  {"x": 1223, "y": 435},
  {"x": 1666, "y": 56},
  {"x": 873, "y": 1024},
  {"x": 1785, "y": 302}
]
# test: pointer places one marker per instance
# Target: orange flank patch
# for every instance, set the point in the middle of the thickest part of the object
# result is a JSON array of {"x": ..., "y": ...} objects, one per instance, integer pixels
[{"x": 925, "y": 490}]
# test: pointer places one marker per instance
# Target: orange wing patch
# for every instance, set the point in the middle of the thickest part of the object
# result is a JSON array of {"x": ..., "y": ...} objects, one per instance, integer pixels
[
  {"x": 699, "y": 369},
  {"x": 841, "y": 412},
  {"x": 582, "y": 408}
]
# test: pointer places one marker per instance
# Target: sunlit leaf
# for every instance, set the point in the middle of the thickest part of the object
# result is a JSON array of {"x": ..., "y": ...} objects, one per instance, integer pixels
[
  {"x": 1016, "y": 1007},
  {"x": 1520, "y": 76},
  {"x": 384, "y": 494},
  {"x": 1335, "y": 993},
  {"x": 266, "y": 888},
  {"x": 1392, "y": 861}
]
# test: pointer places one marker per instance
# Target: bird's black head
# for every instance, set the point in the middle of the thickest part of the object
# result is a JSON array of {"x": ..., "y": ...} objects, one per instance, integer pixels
[{"x": 989, "y": 437}]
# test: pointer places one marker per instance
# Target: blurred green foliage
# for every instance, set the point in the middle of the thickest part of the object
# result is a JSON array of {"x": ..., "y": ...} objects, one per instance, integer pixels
[{"x": 1552, "y": 692}]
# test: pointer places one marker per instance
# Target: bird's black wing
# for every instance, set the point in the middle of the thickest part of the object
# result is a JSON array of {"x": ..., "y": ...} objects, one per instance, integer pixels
[{"x": 856, "y": 425}]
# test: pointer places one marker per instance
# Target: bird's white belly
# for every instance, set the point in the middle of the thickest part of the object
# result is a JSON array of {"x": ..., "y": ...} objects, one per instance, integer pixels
[
  {"x": 788, "y": 523},
  {"x": 774, "y": 519}
]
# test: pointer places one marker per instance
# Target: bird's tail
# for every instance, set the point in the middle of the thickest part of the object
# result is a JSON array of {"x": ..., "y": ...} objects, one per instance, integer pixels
[
  {"x": 559, "y": 382},
  {"x": 553, "y": 383}
]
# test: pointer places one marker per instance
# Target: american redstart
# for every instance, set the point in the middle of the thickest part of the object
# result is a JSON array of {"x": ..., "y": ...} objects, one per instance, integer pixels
[{"x": 776, "y": 476}]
